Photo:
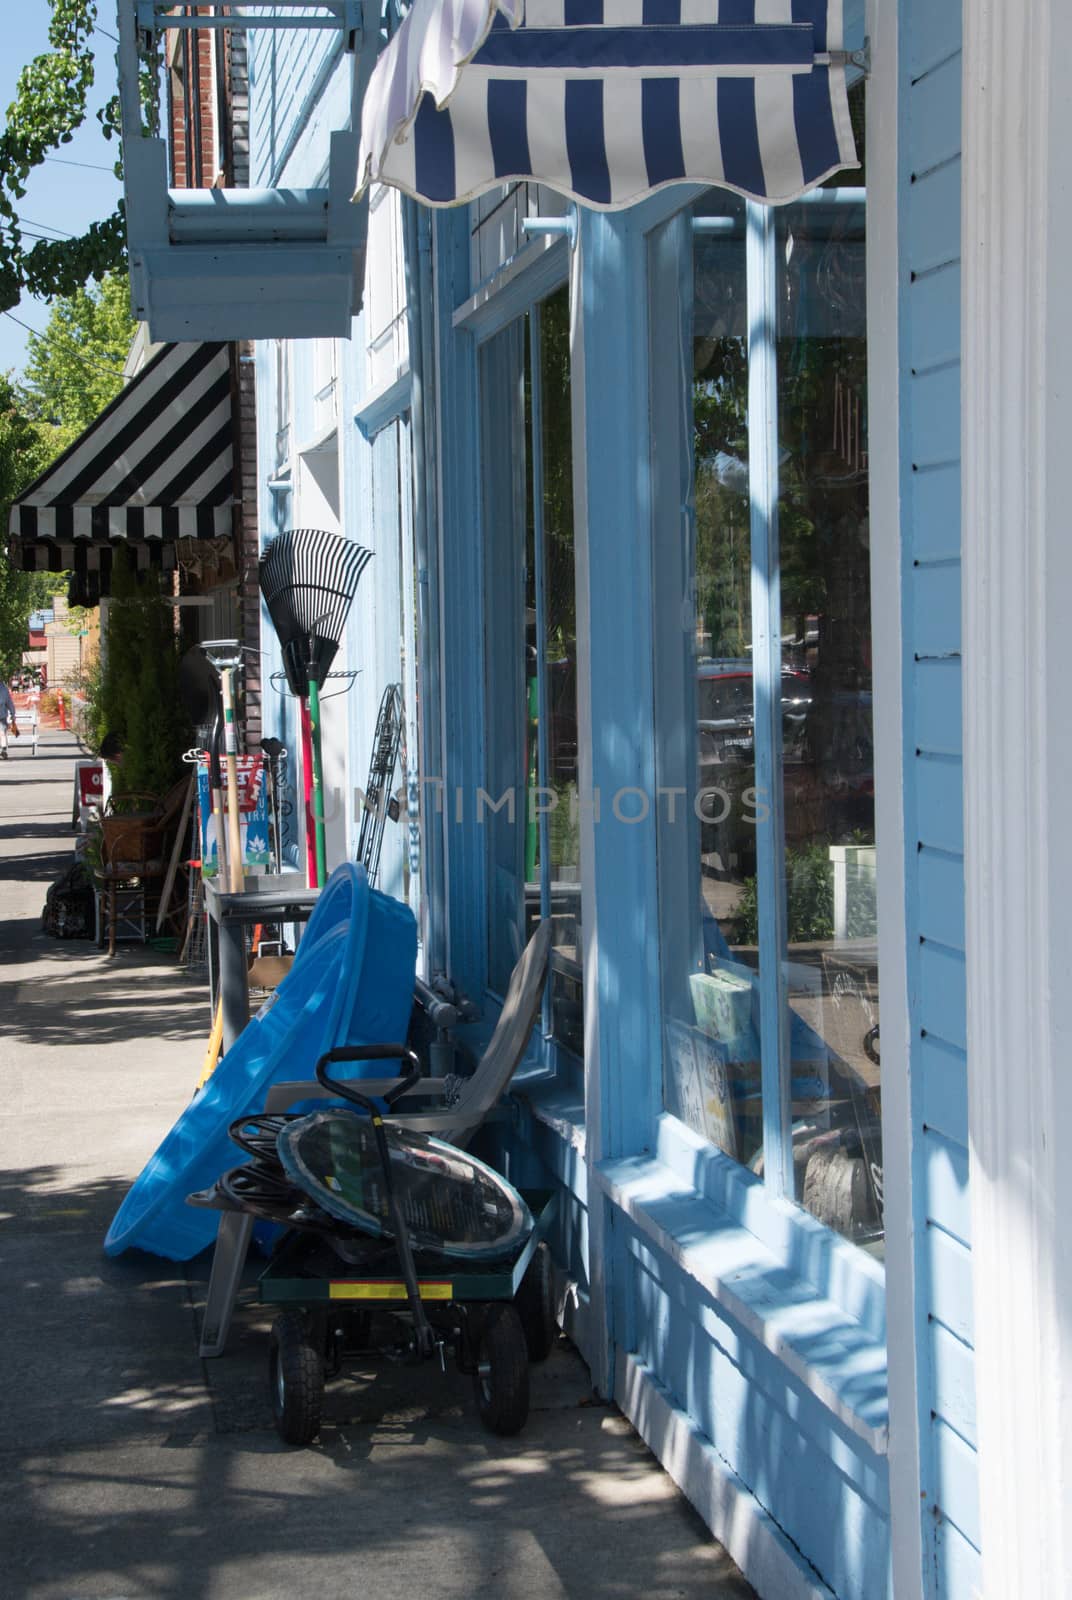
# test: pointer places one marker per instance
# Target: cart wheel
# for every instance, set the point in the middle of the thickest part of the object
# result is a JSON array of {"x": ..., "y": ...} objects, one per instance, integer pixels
[
  {"x": 502, "y": 1375},
  {"x": 535, "y": 1302},
  {"x": 296, "y": 1379}
]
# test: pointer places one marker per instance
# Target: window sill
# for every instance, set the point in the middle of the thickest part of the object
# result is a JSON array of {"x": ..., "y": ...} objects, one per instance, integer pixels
[
  {"x": 322, "y": 441},
  {"x": 554, "y": 1103},
  {"x": 389, "y": 401},
  {"x": 832, "y": 1354}
]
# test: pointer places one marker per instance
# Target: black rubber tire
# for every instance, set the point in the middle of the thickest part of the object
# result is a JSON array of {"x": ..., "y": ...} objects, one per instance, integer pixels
[
  {"x": 501, "y": 1381},
  {"x": 295, "y": 1379},
  {"x": 535, "y": 1302}
]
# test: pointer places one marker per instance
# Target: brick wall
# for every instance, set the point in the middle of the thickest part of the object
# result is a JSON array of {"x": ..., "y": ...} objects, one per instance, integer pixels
[
  {"x": 196, "y": 151},
  {"x": 208, "y": 116}
]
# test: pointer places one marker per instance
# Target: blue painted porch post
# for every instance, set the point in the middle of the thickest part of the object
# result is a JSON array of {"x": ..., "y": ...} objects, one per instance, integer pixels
[
  {"x": 767, "y": 668},
  {"x": 417, "y": 225},
  {"x": 461, "y": 567},
  {"x": 615, "y": 689}
]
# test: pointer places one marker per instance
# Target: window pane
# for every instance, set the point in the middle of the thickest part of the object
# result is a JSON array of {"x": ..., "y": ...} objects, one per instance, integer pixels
[
  {"x": 509, "y": 602},
  {"x": 559, "y": 599},
  {"x": 531, "y": 821},
  {"x": 828, "y": 783},
  {"x": 821, "y": 745},
  {"x": 712, "y": 1052}
]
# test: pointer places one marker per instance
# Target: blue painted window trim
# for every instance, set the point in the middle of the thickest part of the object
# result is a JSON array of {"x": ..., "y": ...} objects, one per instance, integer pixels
[
  {"x": 535, "y": 272},
  {"x": 384, "y": 407},
  {"x": 461, "y": 620},
  {"x": 763, "y": 487}
]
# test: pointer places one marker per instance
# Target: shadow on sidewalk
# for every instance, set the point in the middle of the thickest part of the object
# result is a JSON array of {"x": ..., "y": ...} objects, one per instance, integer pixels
[
  {"x": 130, "y": 1468},
  {"x": 95, "y": 1007},
  {"x": 37, "y": 867}
]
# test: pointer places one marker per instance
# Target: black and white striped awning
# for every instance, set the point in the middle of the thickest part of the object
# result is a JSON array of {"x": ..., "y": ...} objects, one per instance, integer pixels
[
  {"x": 155, "y": 467},
  {"x": 609, "y": 100}
]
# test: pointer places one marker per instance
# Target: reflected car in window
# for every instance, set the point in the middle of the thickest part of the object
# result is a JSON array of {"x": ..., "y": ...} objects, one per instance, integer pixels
[
  {"x": 726, "y": 757},
  {"x": 726, "y": 715}
]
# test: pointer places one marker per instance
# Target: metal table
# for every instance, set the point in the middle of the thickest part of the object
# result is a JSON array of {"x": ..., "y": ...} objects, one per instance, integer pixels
[{"x": 271, "y": 900}]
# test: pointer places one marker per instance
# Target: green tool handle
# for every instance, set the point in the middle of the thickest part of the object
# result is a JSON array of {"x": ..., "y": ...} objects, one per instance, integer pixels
[{"x": 318, "y": 782}]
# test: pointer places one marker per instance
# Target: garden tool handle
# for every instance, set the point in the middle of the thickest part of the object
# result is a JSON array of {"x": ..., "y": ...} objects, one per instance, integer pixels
[
  {"x": 423, "y": 1333},
  {"x": 368, "y": 1052}
]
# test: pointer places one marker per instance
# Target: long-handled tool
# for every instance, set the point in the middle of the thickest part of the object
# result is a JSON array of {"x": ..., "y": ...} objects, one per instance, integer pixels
[
  {"x": 379, "y": 801},
  {"x": 308, "y": 577},
  {"x": 226, "y": 656},
  {"x": 274, "y": 750},
  {"x": 308, "y": 757}
]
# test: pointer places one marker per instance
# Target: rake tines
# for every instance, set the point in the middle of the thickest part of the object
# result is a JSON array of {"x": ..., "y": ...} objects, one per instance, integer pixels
[{"x": 308, "y": 578}]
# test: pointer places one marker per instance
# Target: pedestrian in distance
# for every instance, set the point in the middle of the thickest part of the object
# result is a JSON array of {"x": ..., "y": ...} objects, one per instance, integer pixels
[{"x": 7, "y": 719}]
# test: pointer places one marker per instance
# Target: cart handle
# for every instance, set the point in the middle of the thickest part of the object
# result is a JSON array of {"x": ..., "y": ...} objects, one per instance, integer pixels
[
  {"x": 424, "y": 1337},
  {"x": 369, "y": 1052}
]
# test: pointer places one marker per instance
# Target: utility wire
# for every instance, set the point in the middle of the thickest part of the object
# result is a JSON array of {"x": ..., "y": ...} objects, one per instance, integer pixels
[
  {"x": 90, "y": 166},
  {"x": 30, "y": 223},
  {"x": 74, "y": 355}
]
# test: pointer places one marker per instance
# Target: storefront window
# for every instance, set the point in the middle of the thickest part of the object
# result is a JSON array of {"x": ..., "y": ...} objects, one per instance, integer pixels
[
  {"x": 777, "y": 1060},
  {"x": 828, "y": 777},
  {"x": 386, "y": 754},
  {"x": 530, "y": 809}
]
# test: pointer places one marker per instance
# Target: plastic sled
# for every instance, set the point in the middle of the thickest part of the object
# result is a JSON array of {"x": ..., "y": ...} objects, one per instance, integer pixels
[{"x": 352, "y": 983}]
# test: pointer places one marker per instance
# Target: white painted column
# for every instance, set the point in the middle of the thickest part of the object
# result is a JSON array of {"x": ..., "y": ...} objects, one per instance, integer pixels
[
  {"x": 884, "y": 290},
  {"x": 1017, "y": 538}
]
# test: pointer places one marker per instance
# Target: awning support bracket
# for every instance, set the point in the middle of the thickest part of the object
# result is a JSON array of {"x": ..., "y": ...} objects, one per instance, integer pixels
[
  {"x": 564, "y": 226},
  {"x": 860, "y": 59}
]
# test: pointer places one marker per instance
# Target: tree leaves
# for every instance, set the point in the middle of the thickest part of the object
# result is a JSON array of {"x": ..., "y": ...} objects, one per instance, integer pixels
[
  {"x": 50, "y": 103},
  {"x": 75, "y": 367},
  {"x": 24, "y": 451}
]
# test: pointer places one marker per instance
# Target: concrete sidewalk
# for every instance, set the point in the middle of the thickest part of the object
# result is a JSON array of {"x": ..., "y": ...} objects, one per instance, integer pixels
[{"x": 131, "y": 1468}]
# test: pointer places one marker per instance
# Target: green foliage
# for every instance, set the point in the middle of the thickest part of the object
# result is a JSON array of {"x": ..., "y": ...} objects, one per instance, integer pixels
[
  {"x": 23, "y": 449},
  {"x": 139, "y": 694},
  {"x": 20, "y": 593},
  {"x": 23, "y": 454},
  {"x": 50, "y": 103},
  {"x": 809, "y": 891},
  {"x": 557, "y": 463},
  {"x": 59, "y": 266},
  {"x": 92, "y": 727},
  {"x": 75, "y": 368}
]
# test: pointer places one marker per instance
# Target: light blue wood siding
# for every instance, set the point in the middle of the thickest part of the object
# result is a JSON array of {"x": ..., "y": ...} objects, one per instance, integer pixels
[
  {"x": 930, "y": 390},
  {"x": 295, "y": 103},
  {"x": 288, "y": 68},
  {"x": 823, "y": 1486}
]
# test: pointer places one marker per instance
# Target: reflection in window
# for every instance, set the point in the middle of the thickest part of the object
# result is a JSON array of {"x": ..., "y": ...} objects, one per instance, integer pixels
[
  {"x": 828, "y": 768},
  {"x": 820, "y": 998},
  {"x": 713, "y": 1078},
  {"x": 530, "y": 816}
]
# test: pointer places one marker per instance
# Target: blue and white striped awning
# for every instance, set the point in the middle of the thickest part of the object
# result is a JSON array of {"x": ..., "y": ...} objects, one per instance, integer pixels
[{"x": 609, "y": 100}]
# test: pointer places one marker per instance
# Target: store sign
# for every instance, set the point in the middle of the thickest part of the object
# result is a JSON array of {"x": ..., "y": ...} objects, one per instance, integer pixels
[
  {"x": 88, "y": 793},
  {"x": 89, "y": 776},
  {"x": 253, "y": 816}
]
